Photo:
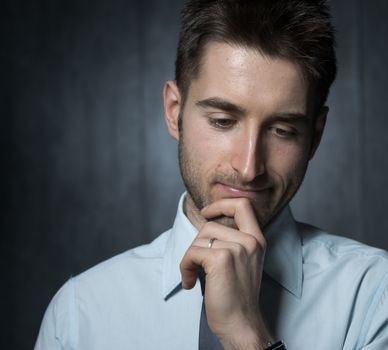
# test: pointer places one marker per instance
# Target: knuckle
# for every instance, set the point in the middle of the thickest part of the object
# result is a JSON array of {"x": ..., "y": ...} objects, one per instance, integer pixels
[
  {"x": 223, "y": 256},
  {"x": 240, "y": 203},
  {"x": 252, "y": 244},
  {"x": 209, "y": 227},
  {"x": 243, "y": 202},
  {"x": 240, "y": 250}
]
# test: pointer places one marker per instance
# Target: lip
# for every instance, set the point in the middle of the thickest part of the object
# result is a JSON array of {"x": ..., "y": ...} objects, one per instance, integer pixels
[{"x": 236, "y": 192}]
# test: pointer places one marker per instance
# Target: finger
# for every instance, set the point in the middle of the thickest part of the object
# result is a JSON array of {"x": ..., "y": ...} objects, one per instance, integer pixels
[
  {"x": 216, "y": 244},
  {"x": 191, "y": 263},
  {"x": 223, "y": 233},
  {"x": 241, "y": 210},
  {"x": 213, "y": 229},
  {"x": 238, "y": 251},
  {"x": 238, "y": 208},
  {"x": 197, "y": 257}
]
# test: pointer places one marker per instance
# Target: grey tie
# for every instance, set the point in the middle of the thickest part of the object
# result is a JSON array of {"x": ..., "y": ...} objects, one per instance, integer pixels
[{"x": 207, "y": 339}]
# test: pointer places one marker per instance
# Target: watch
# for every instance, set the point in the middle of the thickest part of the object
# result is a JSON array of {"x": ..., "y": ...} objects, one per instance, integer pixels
[{"x": 277, "y": 346}]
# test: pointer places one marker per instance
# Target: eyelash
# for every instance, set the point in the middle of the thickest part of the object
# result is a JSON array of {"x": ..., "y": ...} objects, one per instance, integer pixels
[
  {"x": 282, "y": 132},
  {"x": 222, "y": 123},
  {"x": 226, "y": 123}
]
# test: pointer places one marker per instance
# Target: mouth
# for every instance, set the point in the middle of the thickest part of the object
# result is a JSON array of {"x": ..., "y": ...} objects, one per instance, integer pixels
[{"x": 233, "y": 191}]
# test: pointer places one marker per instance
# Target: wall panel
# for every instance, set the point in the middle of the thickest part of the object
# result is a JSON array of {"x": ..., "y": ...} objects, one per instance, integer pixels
[
  {"x": 76, "y": 146},
  {"x": 330, "y": 197},
  {"x": 375, "y": 94}
]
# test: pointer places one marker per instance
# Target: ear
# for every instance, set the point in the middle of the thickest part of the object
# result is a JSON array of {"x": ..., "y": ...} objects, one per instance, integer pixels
[
  {"x": 172, "y": 106},
  {"x": 319, "y": 126}
]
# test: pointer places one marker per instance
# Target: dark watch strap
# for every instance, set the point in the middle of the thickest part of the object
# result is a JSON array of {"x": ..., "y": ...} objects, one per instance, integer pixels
[{"x": 277, "y": 346}]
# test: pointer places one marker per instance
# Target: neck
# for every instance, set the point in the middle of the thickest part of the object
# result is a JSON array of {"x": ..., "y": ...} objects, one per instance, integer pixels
[{"x": 193, "y": 213}]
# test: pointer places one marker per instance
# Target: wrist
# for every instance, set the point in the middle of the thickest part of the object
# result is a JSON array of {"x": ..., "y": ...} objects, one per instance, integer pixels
[
  {"x": 247, "y": 338},
  {"x": 254, "y": 344}
]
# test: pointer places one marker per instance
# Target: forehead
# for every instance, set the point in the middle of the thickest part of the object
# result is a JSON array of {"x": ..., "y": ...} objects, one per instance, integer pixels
[{"x": 248, "y": 78}]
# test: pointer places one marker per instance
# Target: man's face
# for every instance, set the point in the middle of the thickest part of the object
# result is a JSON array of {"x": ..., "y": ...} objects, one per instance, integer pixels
[{"x": 246, "y": 130}]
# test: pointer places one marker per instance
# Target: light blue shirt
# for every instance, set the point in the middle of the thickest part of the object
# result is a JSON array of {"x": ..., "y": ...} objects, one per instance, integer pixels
[{"x": 318, "y": 292}]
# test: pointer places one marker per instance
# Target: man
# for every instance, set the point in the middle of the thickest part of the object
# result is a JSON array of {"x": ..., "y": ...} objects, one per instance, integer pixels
[{"x": 248, "y": 110}]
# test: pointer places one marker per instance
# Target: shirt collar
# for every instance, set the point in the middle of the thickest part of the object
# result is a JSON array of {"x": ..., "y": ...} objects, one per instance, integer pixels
[
  {"x": 283, "y": 261},
  {"x": 181, "y": 236}
]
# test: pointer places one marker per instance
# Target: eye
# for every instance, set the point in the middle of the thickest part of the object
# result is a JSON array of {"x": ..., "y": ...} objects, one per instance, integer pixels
[
  {"x": 222, "y": 123},
  {"x": 282, "y": 132}
]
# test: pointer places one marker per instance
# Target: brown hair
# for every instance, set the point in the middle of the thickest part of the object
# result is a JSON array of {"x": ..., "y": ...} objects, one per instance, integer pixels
[{"x": 297, "y": 30}]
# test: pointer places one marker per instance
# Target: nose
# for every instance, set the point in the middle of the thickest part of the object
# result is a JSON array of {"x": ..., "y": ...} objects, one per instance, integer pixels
[{"x": 248, "y": 157}]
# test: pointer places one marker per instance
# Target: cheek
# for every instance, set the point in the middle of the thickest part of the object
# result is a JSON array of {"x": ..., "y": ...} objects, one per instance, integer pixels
[
  {"x": 287, "y": 160},
  {"x": 207, "y": 146}
]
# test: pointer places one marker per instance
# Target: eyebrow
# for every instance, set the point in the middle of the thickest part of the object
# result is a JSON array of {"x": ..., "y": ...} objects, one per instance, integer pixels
[
  {"x": 223, "y": 105},
  {"x": 290, "y": 118}
]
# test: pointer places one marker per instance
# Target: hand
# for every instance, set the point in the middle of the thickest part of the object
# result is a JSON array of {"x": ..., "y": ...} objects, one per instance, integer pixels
[{"x": 233, "y": 268}]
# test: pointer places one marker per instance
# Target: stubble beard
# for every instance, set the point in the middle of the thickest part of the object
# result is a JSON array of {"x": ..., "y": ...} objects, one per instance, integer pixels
[{"x": 199, "y": 194}]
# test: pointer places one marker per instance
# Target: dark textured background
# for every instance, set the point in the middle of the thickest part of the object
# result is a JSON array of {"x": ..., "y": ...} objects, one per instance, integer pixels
[{"x": 89, "y": 170}]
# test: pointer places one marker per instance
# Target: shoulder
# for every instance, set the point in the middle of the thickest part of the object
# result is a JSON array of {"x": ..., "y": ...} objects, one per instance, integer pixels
[
  {"x": 115, "y": 276},
  {"x": 88, "y": 296},
  {"x": 343, "y": 259},
  {"x": 350, "y": 278},
  {"x": 126, "y": 266},
  {"x": 335, "y": 244}
]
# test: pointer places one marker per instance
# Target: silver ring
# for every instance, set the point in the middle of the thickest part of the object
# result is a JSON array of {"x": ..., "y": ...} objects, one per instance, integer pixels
[{"x": 211, "y": 241}]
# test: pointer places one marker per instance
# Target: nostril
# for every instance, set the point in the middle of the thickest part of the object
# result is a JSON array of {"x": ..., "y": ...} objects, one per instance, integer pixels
[
  {"x": 248, "y": 167},
  {"x": 248, "y": 158}
]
